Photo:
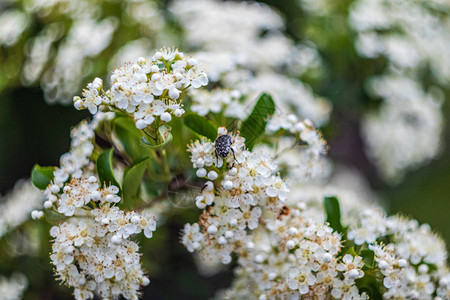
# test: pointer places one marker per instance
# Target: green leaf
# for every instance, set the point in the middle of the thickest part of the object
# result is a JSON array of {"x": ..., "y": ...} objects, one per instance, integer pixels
[
  {"x": 255, "y": 125},
  {"x": 333, "y": 212},
  {"x": 164, "y": 138},
  {"x": 370, "y": 285},
  {"x": 130, "y": 137},
  {"x": 132, "y": 181},
  {"x": 351, "y": 251},
  {"x": 105, "y": 168},
  {"x": 368, "y": 257},
  {"x": 42, "y": 176},
  {"x": 154, "y": 187},
  {"x": 53, "y": 216},
  {"x": 201, "y": 125}
]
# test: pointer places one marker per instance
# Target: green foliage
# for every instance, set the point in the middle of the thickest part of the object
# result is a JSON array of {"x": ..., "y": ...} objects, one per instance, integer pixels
[
  {"x": 42, "y": 176},
  {"x": 255, "y": 125},
  {"x": 370, "y": 285},
  {"x": 368, "y": 258},
  {"x": 105, "y": 168},
  {"x": 201, "y": 125},
  {"x": 53, "y": 216},
  {"x": 132, "y": 182},
  {"x": 130, "y": 137},
  {"x": 333, "y": 211},
  {"x": 164, "y": 137}
]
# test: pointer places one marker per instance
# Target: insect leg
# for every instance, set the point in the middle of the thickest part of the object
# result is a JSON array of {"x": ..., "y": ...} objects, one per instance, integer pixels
[{"x": 234, "y": 158}]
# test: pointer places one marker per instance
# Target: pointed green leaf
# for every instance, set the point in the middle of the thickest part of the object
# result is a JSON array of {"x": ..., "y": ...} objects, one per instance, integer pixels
[
  {"x": 132, "y": 181},
  {"x": 42, "y": 176},
  {"x": 105, "y": 168},
  {"x": 333, "y": 212},
  {"x": 201, "y": 125},
  {"x": 255, "y": 125}
]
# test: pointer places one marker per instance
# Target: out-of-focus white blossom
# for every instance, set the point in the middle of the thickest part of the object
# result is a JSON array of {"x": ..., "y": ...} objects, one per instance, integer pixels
[
  {"x": 13, "y": 288},
  {"x": 292, "y": 96},
  {"x": 414, "y": 37},
  {"x": 16, "y": 207},
  {"x": 406, "y": 131},
  {"x": 249, "y": 57},
  {"x": 410, "y": 34},
  {"x": 86, "y": 39},
  {"x": 410, "y": 40},
  {"x": 61, "y": 62},
  {"x": 301, "y": 155},
  {"x": 13, "y": 23}
]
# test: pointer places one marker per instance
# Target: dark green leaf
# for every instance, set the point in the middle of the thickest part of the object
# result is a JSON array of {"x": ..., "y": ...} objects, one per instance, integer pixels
[
  {"x": 333, "y": 212},
  {"x": 42, "y": 176},
  {"x": 105, "y": 168},
  {"x": 255, "y": 125},
  {"x": 201, "y": 125},
  {"x": 154, "y": 187},
  {"x": 164, "y": 138},
  {"x": 370, "y": 285},
  {"x": 368, "y": 257},
  {"x": 132, "y": 181}
]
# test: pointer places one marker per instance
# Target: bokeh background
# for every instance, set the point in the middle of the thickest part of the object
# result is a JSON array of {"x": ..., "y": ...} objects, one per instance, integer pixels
[{"x": 32, "y": 131}]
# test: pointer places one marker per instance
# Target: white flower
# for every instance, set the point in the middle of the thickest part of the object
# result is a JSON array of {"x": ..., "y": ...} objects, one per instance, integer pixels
[{"x": 146, "y": 89}]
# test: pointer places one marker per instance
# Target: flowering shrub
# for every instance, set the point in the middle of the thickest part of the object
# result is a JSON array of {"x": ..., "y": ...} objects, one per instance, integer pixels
[
  {"x": 222, "y": 146},
  {"x": 282, "y": 246}
]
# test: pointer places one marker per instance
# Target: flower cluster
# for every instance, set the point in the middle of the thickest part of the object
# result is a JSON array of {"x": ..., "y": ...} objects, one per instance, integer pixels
[
  {"x": 410, "y": 257},
  {"x": 295, "y": 254},
  {"x": 298, "y": 256},
  {"x": 147, "y": 89},
  {"x": 292, "y": 257},
  {"x": 234, "y": 197},
  {"x": 92, "y": 251},
  {"x": 302, "y": 152}
]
